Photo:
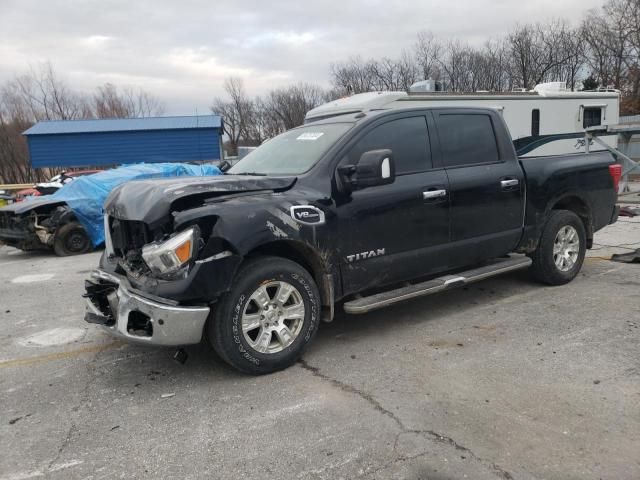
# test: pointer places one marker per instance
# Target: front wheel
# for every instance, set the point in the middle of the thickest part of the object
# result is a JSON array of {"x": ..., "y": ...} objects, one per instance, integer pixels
[
  {"x": 561, "y": 250},
  {"x": 267, "y": 318},
  {"x": 71, "y": 239}
]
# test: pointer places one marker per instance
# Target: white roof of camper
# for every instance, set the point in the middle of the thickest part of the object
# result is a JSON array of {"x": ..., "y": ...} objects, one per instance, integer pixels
[
  {"x": 356, "y": 103},
  {"x": 363, "y": 102}
]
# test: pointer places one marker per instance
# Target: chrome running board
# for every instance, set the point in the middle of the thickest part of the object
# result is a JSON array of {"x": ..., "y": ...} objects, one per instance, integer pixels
[{"x": 384, "y": 299}]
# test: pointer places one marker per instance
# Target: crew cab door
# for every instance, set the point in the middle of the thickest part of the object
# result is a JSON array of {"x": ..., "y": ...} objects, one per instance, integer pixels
[
  {"x": 389, "y": 231},
  {"x": 486, "y": 184}
]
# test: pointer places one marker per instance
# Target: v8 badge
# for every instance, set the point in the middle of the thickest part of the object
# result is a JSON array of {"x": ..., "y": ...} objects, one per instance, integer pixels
[{"x": 307, "y": 215}]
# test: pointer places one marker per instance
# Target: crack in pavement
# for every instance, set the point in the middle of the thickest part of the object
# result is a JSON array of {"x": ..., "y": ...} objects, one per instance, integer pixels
[
  {"x": 350, "y": 389},
  {"x": 427, "y": 434},
  {"x": 63, "y": 445}
]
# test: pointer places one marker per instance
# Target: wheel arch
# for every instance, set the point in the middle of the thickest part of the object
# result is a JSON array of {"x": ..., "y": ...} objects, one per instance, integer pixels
[
  {"x": 315, "y": 262},
  {"x": 62, "y": 215},
  {"x": 575, "y": 203}
]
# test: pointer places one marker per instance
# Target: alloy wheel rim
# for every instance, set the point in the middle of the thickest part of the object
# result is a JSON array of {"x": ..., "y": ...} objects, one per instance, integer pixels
[
  {"x": 273, "y": 317},
  {"x": 566, "y": 248}
]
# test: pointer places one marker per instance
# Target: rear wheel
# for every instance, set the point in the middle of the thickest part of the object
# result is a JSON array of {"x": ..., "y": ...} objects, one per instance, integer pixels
[
  {"x": 71, "y": 239},
  {"x": 271, "y": 313},
  {"x": 561, "y": 250}
]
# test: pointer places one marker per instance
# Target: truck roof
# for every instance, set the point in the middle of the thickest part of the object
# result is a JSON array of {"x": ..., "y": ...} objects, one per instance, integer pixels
[
  {"x": 355, "y": 116},
  {"x": 360, "y": 102}
]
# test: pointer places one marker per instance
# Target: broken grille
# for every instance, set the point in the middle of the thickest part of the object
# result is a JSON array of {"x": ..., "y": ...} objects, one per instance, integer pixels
[{"x": 127, "y": 235}]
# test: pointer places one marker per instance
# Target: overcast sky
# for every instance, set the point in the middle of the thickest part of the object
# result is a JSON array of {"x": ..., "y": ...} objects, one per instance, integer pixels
[{"x": 181, "y": 50}]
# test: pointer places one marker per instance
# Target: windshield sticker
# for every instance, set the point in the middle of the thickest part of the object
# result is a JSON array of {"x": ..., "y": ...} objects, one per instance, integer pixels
[{"x": 310, "y": 136}]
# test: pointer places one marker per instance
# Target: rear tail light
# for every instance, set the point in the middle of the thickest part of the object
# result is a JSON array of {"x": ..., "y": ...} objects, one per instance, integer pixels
[{"x": 615, "y": 171}]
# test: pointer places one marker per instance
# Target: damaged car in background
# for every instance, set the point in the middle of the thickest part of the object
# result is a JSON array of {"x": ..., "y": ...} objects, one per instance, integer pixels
[
  {"x": 43, "y": 224},
  {"x": 71, "y": 220},
  {"x": 54, "y": 184}
]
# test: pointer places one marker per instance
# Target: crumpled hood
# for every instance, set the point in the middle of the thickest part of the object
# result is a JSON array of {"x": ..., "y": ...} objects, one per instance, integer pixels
[
  {"x": 27, "y": 205},
  {"x": 150, "y": 200}
]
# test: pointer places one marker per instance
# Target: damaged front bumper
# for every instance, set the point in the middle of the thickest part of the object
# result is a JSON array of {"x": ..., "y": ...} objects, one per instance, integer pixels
[
  {"x": 132, "y": 315},
  {"x": 18, "y": 232},
  {"x": 23, "y": 240},
  {"x": 26, "y": 232}
]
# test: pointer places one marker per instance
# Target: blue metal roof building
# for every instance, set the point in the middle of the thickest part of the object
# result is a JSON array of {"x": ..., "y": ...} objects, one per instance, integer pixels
[{"x": 79, "y": 143}]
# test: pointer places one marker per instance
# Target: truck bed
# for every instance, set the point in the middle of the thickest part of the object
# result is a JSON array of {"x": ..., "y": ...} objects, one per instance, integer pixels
[{"x": 581, "y": 177}]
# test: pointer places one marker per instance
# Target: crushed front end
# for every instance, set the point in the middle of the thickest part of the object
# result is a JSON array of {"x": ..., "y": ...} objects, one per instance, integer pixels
[
  {"x": 22, "y": 231},
  {"x": 31, "y": 229},
  {"x": 129, "y": 314},
  {"x": 154, "y": 285}
]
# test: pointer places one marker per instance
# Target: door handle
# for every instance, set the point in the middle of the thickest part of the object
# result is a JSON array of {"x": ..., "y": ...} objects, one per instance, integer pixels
[
  {"x": 431, "y": 194},
  {"x": 509, "y": 183}
]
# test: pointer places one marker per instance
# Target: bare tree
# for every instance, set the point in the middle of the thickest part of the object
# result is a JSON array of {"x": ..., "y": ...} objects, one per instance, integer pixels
[
  {"x": 41, "y": 94},
  {"x": 353, "y": 76},
  {"x": 536, "y": 52},
  {"x": 428, "y": 52},
  {"x": 238, "y": 112},
  {"x": 250, "y": 121},
  {"x": 393, "y": 74},
  {"x": 571, "y": 43},
  {"x": 268, "y": 122},
  {"x": 14, "y": 167},
  {"x": 497, "y": 74},
  {"x": 384, "y": 74},
  {"x": 289, "y": 105},
  {"x": 456, "y": 66},
  {"x": 606, "y": 46},
  {"x": 111, "y": 102},
  {"x": 612, "y": 36},
  {"x": 231, "y": 123},
  {"x": 37, "y": 95}
]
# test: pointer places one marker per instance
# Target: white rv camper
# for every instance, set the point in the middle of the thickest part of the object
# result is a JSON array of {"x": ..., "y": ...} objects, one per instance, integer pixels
[{"x": 549, "y": 120}]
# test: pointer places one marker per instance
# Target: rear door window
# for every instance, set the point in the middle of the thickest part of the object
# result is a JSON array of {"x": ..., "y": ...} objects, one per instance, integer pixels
[{"x": 467, "y": 139}]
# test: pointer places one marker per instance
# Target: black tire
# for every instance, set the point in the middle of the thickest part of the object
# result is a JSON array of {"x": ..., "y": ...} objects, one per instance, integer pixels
[
  {"x": 544, "y": 267},
  {"x": 224, "y": 328},
  {"x": 71, "y": 239}
]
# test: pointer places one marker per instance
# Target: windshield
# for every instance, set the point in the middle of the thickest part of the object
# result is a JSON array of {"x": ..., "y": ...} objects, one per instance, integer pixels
[{"x": 292, "y": 153}]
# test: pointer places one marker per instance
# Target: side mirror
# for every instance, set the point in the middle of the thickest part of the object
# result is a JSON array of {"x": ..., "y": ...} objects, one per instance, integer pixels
[{"x": 376, "y": 167}]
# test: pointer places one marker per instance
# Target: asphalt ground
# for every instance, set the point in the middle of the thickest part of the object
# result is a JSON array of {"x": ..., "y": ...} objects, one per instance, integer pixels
[{"x": 503, "y": 379}]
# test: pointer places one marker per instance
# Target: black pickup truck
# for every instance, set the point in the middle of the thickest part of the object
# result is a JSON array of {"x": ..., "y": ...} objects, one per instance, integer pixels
[{"x": 362, "y": 210}]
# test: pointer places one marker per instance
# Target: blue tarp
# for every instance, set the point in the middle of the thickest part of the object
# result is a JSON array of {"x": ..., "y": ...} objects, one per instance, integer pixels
[{"x": 86, "y": 195}]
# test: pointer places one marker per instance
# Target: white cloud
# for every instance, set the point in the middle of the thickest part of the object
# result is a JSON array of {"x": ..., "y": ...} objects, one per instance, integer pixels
[
  {"x": 201, "y": 61},
  {"x": 96, "y": 41},
  {"x": 265, "y": 39}
]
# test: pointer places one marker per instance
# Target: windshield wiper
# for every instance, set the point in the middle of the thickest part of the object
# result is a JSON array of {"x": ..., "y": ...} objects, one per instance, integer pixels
[{"x": 247, "y": 173}]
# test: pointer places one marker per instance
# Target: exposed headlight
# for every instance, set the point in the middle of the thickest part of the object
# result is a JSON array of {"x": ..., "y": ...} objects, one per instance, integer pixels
[{"x": 169, "y": 257}]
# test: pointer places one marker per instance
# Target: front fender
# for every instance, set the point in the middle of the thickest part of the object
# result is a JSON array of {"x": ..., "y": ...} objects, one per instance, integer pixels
[
  {"x": 243, "y": 226},
  {"x": 269, "y": 228}
]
